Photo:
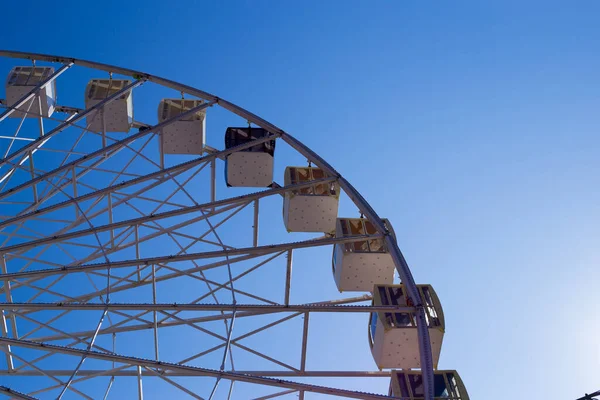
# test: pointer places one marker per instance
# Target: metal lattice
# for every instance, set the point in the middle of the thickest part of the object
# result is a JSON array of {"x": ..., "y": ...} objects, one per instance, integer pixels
[{"x": 128, "y": 273}]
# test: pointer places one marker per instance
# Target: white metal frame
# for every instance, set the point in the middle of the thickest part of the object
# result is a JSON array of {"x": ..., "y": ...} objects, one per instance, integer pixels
[{"x": 89, "y": 244}]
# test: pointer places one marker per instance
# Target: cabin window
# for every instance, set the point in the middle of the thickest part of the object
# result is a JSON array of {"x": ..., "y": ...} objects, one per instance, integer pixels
[
  {"x": 237, "y": 136},
  {"x": 430, "y": 312},
  {"x": 415, "y": 383},
  {"x": 303, "y": 175},
  {"x": 356, "y": 227},
  {"x": 403, "y": 387},
  {"x": 398, "y": 298},
  {"x": 412, "y": 387},
  {"x": 453, "y": 385},
  {"x": 28, "y": 76},
  {"x": 372, "y": 328},
  {"x": 103, "y": 88},
  {"x": 439, "y": 386}
]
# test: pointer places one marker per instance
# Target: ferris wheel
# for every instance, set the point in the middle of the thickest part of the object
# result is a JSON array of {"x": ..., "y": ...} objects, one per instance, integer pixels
[{"x": 144, "y": 255}]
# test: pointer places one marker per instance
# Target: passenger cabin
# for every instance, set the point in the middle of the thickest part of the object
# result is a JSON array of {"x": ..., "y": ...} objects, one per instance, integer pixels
[
  {"x": 21, "y": 81},
  {"x": 408, "y": 385},
  {"x": 312, "y": 208},
  {"x": 358, "y": 266},
  {"x": 186, "y": 135},
  {"x": 253, "y": 166},
  {"x": 116, "y": 116},
  {"x": 393, "y": 336}
]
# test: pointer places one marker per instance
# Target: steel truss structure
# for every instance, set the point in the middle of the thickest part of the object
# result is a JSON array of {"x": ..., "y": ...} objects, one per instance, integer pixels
[{"x": 127, "y": 273}]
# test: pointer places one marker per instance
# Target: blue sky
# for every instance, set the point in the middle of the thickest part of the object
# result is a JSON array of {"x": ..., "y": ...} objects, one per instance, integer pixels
[{"x": 472, "y": 126}]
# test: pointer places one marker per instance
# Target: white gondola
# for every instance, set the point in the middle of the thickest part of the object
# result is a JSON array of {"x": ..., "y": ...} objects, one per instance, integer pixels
[
  {"x": 20, "y": 81},
  {"x": 408, "y": 385},
  {"x": 187, "y": 135},
  {"x": 393, "y": 336},
  {"x": 313, "y": 208},
  {"x": 252, "y": 167},
  {"x": 116, "y": 116},
  {"x": 358, "y": 266}
]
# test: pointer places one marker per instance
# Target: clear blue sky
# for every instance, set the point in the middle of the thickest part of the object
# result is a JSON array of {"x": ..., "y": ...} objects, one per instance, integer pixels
[{"x": 472, "y": 125}]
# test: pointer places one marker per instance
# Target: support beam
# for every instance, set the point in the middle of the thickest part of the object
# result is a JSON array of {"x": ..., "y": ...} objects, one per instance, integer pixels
[
  {"x": 165, "y": 323},
  {"x": 15, "y": 394},
  {"x": 275, "y": 395},
  {"x": 255, "y": 225},
  {"x": 234, "y": 376},
  {"x": 257, "y": 251},
  {"x": 6, "y": 288},
  {"x": 157, "y": 307},
  {"x": 122, "y": 372},
  {"x": 288, "y": 277},
  {"x": 304, "y": 342},
  {"x": 4, "y": 331},
  {"x": 154, "y": 312},
  {"x": 139, "y": 382}
]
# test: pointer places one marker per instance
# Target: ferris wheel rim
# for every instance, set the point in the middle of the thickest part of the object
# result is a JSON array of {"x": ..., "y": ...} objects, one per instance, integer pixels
[{"x": 364, "y": 207}]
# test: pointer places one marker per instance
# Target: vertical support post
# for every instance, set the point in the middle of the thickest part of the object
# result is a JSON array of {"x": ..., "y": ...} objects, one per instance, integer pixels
[
  {"x": 230, "y": 390},
  {"x": 255, "y": 226},
  {"x": 110, "y": 221},
  {"x": 41, "y": 125},
  {"x": 161, "y": 150},
  {"x": 155, "y": 316},
  {"x": 108, "y": 387},
  {"x": 74, "y": 183},
  {"x": 213, "y": 181},
  {"x": 40, "y": 118},
  {"x": 9, "y": 360},
  {"x": 288, "y": 277},
  {"x": 8, "y": 294},
  {"x": 103, "y": 128},
  {"x": 114, "y": 348},
  {"x": 32, "y": 173},
  {"x": 137, "y": 250},
  {"x": 140, "y": 389},
  {"x": 304, "y": 342}
]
